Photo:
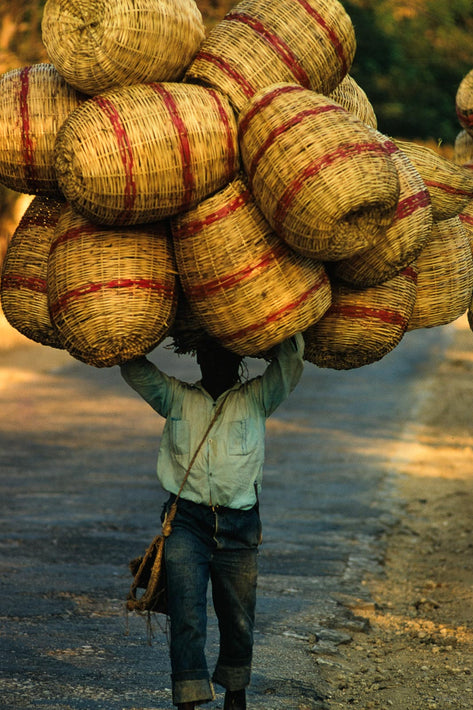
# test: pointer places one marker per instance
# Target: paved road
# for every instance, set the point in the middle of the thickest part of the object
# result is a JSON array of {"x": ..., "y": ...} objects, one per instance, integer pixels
[{"x": 80, "y": 498}]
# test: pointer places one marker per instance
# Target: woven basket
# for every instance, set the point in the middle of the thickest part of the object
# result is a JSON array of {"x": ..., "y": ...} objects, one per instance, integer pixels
[
  {"x": 145, "y": 152},
  {"x": 362, "y": 325},
  {"x": 248, "y": 289},
  {"x": 187, "y": 332},
  {"x": 24, "y": 273},
  {"x": 101, "y": 44},
  {"x": 464, "y": 102},
  {"x": 445, "y": 281},
  {"x": 466, "y": 218},
  {"x": 403, "y": 240},
  {"x": 450, "y": 185},
  {"x": 325, "y": 184},
  {"x": 112, "y": 293},
  {"x": 463, "y": 149},
  {"x": 34, "y": 102},
  {"x": 260, "y": 42},
  {"x": 354, "y": 99}
]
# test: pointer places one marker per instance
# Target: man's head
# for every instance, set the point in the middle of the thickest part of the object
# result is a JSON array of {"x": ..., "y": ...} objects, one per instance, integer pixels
[{"x": 219, "y": 367}]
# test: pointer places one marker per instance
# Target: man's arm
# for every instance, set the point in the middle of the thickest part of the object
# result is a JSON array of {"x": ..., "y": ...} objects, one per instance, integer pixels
[
  {"x": 154, "y": 386},
  {"x": 283, "y": 373}
]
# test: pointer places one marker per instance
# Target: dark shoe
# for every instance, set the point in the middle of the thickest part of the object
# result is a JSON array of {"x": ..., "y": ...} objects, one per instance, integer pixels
[
  {"x": 235, "y": 700},
  {"x": 186, "y": 706}
]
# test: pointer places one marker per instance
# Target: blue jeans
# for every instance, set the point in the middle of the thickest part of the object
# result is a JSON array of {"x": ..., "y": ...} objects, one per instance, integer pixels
[{"x": 219, "y": 544}]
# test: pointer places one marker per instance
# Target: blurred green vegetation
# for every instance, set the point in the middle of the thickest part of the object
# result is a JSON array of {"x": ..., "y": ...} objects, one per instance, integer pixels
[{"x": 411, "y": 57}]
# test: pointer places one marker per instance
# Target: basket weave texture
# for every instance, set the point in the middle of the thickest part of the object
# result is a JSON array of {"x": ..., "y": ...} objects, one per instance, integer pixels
[
  {"x": 464, "y": 102},
  {"x": 445, "y": 281},
  {"x": 111, "y": 293},
  {"x": 403, "y": 240},
  {"x": 248, "y": 287},
  {"x": 324, "y": 182},
  {"x": 450, "y": 185},
  {"x": 260, "y": 42},
  {"x": 362, "y": 325},
  {"x": 463, "y": 149},
  {"x": 102, "y": 44},
  {"x": 145, "y": 152},
  {"x": 34, "y": 102},
  {"x": 466, "y": 218},
  {"x": 188, "y": 334},
  {"x": 24, "y": 273},
  {"x": 354, "y": 99}
]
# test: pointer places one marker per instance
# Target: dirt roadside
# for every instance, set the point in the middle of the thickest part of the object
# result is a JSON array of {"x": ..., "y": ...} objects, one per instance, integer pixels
[{"x": 418, "y": 652}]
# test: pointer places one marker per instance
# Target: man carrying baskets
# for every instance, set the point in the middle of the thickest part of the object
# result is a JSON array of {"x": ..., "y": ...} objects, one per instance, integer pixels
[{"x": 213, "y": 440}]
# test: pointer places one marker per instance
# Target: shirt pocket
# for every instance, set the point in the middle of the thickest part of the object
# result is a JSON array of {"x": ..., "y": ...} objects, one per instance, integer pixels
[
  {"x": 242, "y": 438},
  {"x": 179, "y": 436}
]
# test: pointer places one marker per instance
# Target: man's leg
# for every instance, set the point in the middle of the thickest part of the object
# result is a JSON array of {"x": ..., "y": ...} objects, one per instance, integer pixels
[
  {"x": 233, "y": 570},
  {"x": 187, "y": 568}
]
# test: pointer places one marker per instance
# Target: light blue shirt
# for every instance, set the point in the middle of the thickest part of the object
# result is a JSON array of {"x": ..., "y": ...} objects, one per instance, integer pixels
[{"x": 228, "y": 469}]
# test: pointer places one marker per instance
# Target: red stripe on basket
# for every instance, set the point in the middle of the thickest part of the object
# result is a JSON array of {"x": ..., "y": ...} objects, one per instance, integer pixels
[
  {"x": 225, "y": 282},
  {"x": 333, "y": 37},
  {"x": 409, "y": 273},
  {"x": 293, "y": 121},
  {"x": 411, "y": 204},
  {"x": 449, "y": 189},
  {"x": 124, "y": 147},
  {"x": 27, "y": 146},
  {"x": 380, "y": 314},
  {"x": 32, "y": 283},
  {"x": 77, "y": 293},
  {"x": 230, "y": 71},
  {"x": 276, "y": 43},
  {"x": 185, "y": 148},
  {"x": 468, "y": 218},
  {"x": 192, "y": 228},
  {"x": 231, "y": 155},
  {"x": 264, "y": 101},
  {"x": 390, "y": 147},
  {"x": 277, "y": 315},
  {"x": 344, "y": 151},
  {"x": 465, "y": 119},
  {"x": 72, "y": 234}
]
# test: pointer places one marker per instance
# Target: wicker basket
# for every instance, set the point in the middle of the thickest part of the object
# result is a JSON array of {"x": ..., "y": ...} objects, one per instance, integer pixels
[
  {"x": 24, "y": 273},
  {"x": 325, "y": 184},
  {"x": 403, "y": 240},
  {"x": 464, "y": 102},
  {"x": 187, "y": 332},
  {"x": 362, "y": 325},
  {"x": 445, "y": 281},
  {"x": 450, "y": 185},
  {"x": 354, "y": 99},
  {"x": 466, "y": 218},
  {"x": 101, "y": 44},
  {"x": 463, "y": 149},
  {"x": 34, "y": 101},
  {"x": 112, "y": 293},
  {"x": 145, "y": 152},
  {"x": 245, "y": 285},
  {"x": 259, "y": 43}
]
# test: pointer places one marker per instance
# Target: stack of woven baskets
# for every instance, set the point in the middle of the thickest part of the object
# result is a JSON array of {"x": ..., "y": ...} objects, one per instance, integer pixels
[{"x": 231, "y": 186}]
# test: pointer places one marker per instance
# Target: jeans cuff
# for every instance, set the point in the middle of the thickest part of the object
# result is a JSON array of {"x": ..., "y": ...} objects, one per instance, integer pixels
[
  {"x": 231, "y": 677},
  {"x": 187, "y": 691}
]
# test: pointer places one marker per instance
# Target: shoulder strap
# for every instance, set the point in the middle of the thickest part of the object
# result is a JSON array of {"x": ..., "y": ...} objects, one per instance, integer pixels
[{"x": 173, "y": 508}]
